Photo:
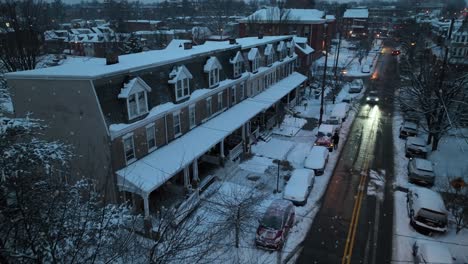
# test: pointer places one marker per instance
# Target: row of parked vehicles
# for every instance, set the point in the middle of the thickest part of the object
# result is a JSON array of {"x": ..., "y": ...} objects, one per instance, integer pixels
[{"x": 279, "y": 217}]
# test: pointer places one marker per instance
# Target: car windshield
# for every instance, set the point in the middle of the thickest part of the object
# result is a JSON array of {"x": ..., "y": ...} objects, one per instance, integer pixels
[
  {"x": 373, "y": 93},
  {"x": 272, "y": 221}
]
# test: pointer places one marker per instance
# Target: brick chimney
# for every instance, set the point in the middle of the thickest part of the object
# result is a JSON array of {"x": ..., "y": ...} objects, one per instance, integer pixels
[
  {"x": 232, "y": 41},
  {"x": 188, "y": 45},
  {"x": 112, "y": 58},
  {"x": 260, "y": 35}
]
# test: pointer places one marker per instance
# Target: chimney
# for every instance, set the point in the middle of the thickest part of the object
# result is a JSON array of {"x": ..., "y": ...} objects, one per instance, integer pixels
[
  {"x": 112, "y": 58},
  {"x": 232, "y": 41},
  {"x": 260, "y": 35},
  {"x": 187, "y": 45}
]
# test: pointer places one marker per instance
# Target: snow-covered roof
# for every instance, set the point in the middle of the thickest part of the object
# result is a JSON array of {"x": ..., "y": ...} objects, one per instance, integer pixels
[
  {"x": 274, "y": 14},
  {"x": 281, "y": 46},
  {"x": 133, "y": 86},
  {"x": 435, "y": 253},
  {"x": 423, "y": 164},
  {"x": 356, "y": 13},
  {"x": 92, "y": 68},
  {"x": 212, "y": 63},
  {"x": 316, "y": 158},
  {"x": 147, "y": 174},
  {"x": 249, "y": 42},
  {"x": 427, "y": 198},
  {"x": 253, "y": 53},
  {"x": 268, "y": 49},
  {"x": 237, "y": 58},
  {"x": 179, "y": 73},
  {"x": 410, "y": 125},
  {"x": 296, "y": 188},
  {"x": 143, "y": 21}
]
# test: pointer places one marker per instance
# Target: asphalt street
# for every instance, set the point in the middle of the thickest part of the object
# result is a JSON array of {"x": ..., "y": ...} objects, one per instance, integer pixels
[{"x": 354, "y": 224}]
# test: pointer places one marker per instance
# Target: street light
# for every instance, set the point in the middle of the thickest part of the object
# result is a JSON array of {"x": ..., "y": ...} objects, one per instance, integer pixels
[{"x": 324, "y": 74}]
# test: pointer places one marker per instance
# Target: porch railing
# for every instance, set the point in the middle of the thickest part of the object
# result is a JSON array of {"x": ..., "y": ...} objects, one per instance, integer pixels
[
  {"x": 236, "y": 151},
  {"x": 254, "y": 134},
  {"x": 271, "y": 122},
  {"x": 186, "y": 207}
]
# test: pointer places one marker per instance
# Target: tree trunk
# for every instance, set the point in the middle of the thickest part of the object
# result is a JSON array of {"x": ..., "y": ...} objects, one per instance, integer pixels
[
  {"x": 429, "y": 138},
  {"x": 435, "y": 142},
  {"x": 237, "y": 226}
]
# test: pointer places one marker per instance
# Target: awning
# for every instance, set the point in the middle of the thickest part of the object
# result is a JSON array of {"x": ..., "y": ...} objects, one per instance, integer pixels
[{"x": 147, "y": 174}]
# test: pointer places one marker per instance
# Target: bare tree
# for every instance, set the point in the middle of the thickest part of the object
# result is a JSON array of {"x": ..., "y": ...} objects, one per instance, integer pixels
[
  {"x": 455, "y": 193},
  {"x": 26, "y": 21}
]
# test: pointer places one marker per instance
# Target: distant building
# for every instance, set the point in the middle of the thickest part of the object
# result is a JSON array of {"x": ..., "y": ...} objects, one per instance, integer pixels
[
  {"x": 142, "y": 25},
  {"x": 356, "y": 23},
  {"x": 306, "y": 23},
  {"x": 149, "y": 126}
]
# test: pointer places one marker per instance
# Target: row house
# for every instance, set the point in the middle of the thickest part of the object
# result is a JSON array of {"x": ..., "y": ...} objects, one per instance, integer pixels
[
  {"x": 149, "y": 126},
  {"x": 355, "y": 23},
  {"x": 307, "y": 23}
]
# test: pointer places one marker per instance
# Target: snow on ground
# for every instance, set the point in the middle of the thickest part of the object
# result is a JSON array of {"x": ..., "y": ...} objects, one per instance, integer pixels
[
  {"x": 275, "y": 148},
  {"x": 450, "y": 160},
  {"x": 376, "y": 183},
  {"x": 290, "y": 126},
  {"x": 256, "y": 164}
]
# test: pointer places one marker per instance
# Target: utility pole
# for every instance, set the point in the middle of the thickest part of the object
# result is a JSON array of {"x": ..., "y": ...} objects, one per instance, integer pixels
[
  {"x": 336, "y": 65},
  {"x": 324, "y": 75}
]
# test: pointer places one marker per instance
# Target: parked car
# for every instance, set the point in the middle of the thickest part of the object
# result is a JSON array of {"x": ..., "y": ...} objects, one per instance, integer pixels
[
  {"x": 347, "y": 99},
  {"x": 426, "y": 209},
  {"x": 275, "y": 225},
  {"x": 415, "y": 147},
  {"x": 340, "y": 111},
  {"x": 335, "y": 121},
  {"x": 427, "y": 252},
  {"x": 317, "y": 159},
  {"x": 356, "y": 86},
  {"x": 372, "y": 97},
  {"x": 421, "y": 171},
  {"x": 324, "y": 136},
  {"x": 299, "y": 185},
  {"x": 408, "y": 129}
]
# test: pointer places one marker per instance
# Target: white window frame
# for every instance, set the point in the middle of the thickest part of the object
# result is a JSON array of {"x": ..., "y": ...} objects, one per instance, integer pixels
[
  {"x": 233, "y": 94},
  {"x": 242, "y": 92},
  {"x": 124, "y": 138},
  {"x": 138, "y": 110},
  {"x": 184, "y": 86},
  {"x": 192, "y": 116},
  {"x": 220, "y": 101},
  {"x": 208, "y": 106},
  {"x": 176, "y": 116},
  {"x": 238, "y": 69},
  {"x": 213, "y": 77},
  {"x": 153, "y": 127}
]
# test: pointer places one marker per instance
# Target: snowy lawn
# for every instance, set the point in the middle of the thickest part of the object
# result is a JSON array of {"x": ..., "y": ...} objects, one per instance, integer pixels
[
  {"x": 290, "y": 126},
  {"x": 275, "y": 148}
]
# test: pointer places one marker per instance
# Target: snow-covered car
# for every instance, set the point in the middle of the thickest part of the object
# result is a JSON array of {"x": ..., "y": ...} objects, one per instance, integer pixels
[
  {"x": 324, "y": 136},
  {"x": 427, "y": 252},
  {"x": 275, "y": 225},
  {"x": 415, "y": 147},
  {"x": 317, "y": 159},
  {"x": 347, "y": 99},
  {"x": 340, "y": 110},
  {"x": 298, "y": 188},
  {"x": 365, "y": 68},
  {"x": 355, "y": 86},
  {"x": 408, "y": 129},
  {"x": 335, "y": 121},
  {"x": 372, "y": 97},
  {"x": 426, "y": 209},
  {"x": 421, "y": 171}
]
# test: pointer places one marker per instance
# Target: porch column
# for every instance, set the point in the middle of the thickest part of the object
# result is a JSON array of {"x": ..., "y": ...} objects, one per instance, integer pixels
[
  {"x": 146, "y": 204},
  {"x": 243, "y": 132},
  {"x": 195, "y": 170},
  {"x": 186, "y": 176},
  {"x": 221, "y": 148},
  {"x": 287, "y": 99}
]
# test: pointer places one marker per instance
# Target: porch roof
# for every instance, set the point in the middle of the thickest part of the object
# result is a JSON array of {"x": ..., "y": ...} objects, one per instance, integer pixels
[{"x": 147, "y": 174}]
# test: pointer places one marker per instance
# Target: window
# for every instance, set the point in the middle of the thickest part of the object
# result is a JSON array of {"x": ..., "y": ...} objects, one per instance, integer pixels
[
  {"x": 242, "y": 92},
  {"x": 134, "y": 92},
  {"x": 220, "y": 101},
  {"x": 150, "y": 137},
  {"x": 254, "y": 57},
  {"x": 142, "y": 105},
  {"x": 182, "y": 88},
  {"x": 214, "y": 77},
  {"x": 180, "y": 77},
  {"x": 238, "y": 69},
  {"x": 238, "y": 63},
  {"x": 129, "y": 149},
  {"x": 233, "y": 95},
  {"x": 212, "y": 67},
  {"x": 176, "y": 120},
  {"x": 132, "y": 106},
  {"x": 255, "y": 64},
  {"x": 209, "y": 111},
  {"x": 192, "y": 119}
]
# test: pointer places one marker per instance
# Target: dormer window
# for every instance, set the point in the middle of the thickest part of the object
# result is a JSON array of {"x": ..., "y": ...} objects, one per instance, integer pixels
[
  {"x": 212, "y": 67},
  {"x": 291, "y": 45},
  {"x": 180, "y": 78},
  {"x": 282, "y": 50},
  {"x": 254, "y": 58},
  {"x": 238, "y": 63},
  {"x": 269, "y": 54},
  {"x": 135, "y": 93}
]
